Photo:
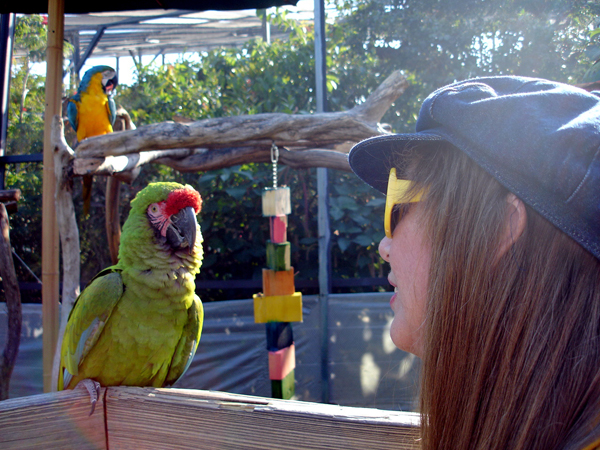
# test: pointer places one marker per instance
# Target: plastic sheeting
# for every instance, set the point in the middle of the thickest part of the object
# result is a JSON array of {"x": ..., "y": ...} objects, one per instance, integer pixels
[{"x": 365, "y": 368}]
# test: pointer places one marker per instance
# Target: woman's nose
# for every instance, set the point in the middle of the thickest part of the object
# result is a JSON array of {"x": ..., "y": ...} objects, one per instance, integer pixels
[{"x": 384, "y": 248}]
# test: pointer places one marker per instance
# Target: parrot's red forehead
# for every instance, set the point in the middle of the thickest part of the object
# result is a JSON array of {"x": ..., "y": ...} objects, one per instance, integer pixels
[{"x": 182, "y": 198}]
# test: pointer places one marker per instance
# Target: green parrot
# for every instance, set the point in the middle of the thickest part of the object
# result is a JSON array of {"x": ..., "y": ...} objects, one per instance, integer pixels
[{"x": 138, "y": 323}]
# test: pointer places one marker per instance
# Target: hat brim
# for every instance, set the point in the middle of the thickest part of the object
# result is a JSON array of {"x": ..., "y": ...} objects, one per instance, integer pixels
[{"x": 372, "y": 159}]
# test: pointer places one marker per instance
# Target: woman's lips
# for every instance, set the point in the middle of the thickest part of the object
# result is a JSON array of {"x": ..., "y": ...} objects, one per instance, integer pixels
[{"x": 395, "y": 292}]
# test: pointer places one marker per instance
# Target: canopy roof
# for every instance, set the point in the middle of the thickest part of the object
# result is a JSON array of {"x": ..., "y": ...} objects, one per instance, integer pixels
[
  {"x": 79, "y": 6},
  {"x": 155, "y": 32}
]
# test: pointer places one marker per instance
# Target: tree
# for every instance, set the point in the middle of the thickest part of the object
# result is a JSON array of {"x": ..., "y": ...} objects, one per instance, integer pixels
[
  {"x": 444, "y": 41},
  {"x": 25, "y": 136}
]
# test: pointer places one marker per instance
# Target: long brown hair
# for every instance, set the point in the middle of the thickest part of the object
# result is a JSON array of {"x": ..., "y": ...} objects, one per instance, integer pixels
[{"x": 512, "y": 344}]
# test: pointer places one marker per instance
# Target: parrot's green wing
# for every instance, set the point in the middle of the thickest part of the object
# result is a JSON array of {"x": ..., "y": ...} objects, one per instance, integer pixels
[
  {"x": 86, "y": 321},
  {"x": 186, "y": 348},
  {"x": 72, "y": 113},
  {"x": 112, "y": 110}
]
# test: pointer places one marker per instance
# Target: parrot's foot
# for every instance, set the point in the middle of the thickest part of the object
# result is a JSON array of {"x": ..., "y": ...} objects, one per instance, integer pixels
[{"x": 93, "y": 387}]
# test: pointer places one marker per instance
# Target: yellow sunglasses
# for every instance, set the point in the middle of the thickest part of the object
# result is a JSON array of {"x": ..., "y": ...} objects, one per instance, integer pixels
[{"x": 395, "y": 202}]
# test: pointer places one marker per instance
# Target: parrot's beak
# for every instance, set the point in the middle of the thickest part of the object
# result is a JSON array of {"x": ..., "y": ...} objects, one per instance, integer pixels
[
  {"x": 181, "y": 232},
  {"x": 109, "y": 81},
  {"x": 110, "y": 85}
]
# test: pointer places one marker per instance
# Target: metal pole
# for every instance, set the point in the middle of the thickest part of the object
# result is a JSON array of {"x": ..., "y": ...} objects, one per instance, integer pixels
[
  {"x": 90, "y": 48},
  {"x": 266, "y": 28},
  {"x": 74, "y": 82},
  {"x": 7, "y": 33},
  {"x": 322, "y": 192}
]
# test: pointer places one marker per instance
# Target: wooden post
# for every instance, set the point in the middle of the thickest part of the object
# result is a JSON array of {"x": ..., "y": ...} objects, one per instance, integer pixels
[
  {"x": 113, "y": 189},
  {"x": 50, "y": 240},
  {"x": 13, "y": 304},
  {"x": 69, "y": 234},
  {"x": 112, "y": 223}
]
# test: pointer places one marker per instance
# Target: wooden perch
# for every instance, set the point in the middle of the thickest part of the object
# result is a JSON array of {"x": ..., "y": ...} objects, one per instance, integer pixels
[
  {"x": 10, "y": 195},
  {"x": 69, "y": 232},
  {"x": 10, "y": 198},
  {"x": 204, "y": 160},
  {"x": 13, "y": 305},
  {"x": 241, "y": 139},
  {"x": 113, "y": 189},
  {"x": 112, "y": 165},
  {"x": 112, "y": 222}
]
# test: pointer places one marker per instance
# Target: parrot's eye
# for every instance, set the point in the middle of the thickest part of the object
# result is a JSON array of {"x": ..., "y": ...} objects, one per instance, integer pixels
[{"x": 153, "y": 209}]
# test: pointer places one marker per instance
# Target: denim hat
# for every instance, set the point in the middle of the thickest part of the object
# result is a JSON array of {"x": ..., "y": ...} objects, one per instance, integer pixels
[{"x": 539, "y": 138}]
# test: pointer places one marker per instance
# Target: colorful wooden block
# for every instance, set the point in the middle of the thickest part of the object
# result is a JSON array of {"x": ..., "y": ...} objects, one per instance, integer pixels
[
  {"x": 278, "y": 229},
  {"x": 276, "y": 201},
  {"x": 282, "y": 362},
  {"x": 280, "y": 282},
  {"x": 278, "y": 256},
  {"x": 279, "y": 308},
  {"x": 285, "y": 388},
  {"x": 279, "y": 335}
]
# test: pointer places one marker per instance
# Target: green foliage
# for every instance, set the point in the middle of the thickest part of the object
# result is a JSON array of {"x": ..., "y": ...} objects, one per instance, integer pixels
[
  {"x": 27, "y": 98},
  {"x": 26, "y": 224},
  {"x": 161, "y": 93},
  {"x": 30, "y": 35},
  {"x": 25, "y": 136},
  {"x": 26, "y": 113},
  {"x": 440, "y": 42},
  {"x": 226, "y": 82}
]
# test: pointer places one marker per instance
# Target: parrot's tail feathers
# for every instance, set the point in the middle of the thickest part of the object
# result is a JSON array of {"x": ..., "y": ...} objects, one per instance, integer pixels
[
  {"x": 88, "y": 338},
  {"x": 190, "y": 358},
  {"x": 87, "y": 194},
  {"x": 67, "y": 377}
]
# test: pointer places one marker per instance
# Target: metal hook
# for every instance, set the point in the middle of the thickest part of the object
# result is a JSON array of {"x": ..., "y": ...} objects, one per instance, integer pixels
[{"x": 274, "y": 159}]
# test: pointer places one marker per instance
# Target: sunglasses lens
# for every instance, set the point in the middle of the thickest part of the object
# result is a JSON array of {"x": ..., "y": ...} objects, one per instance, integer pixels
[{"x": 398, "y": 212}]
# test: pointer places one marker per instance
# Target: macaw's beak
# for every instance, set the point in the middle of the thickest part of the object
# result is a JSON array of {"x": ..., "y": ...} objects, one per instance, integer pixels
[
  {"x": 181, "y": 232},
  {"x": 110, "y": 83}
]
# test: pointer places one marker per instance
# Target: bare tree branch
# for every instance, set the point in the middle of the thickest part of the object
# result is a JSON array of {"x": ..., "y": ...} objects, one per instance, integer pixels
[
  {"x": 124, "y": 163},
  {"x": 205, "y": 160},
  {"x": 13, "y": 305},
  {"x": 260, "y": 130},
  {"x": 69, "y": 232}
]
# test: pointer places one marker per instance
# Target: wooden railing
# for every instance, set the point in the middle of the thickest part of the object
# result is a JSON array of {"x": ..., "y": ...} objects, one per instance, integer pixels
[{"x": 148, "y": 418}]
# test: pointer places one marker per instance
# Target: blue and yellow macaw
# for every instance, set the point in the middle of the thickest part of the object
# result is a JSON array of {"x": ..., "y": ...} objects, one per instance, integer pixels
[{"x": 92, "y": 111}]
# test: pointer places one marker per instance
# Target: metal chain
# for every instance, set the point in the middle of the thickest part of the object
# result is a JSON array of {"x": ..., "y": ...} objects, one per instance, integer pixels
[{"x": 274, "y": 159}]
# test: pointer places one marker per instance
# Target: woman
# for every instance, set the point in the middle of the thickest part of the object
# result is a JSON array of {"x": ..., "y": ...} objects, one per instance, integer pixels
[{"x": 493, "y": 239}]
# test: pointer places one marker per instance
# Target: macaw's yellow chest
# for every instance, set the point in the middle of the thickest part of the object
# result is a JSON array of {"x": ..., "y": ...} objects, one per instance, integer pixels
[{"x": 93, "y": 116}]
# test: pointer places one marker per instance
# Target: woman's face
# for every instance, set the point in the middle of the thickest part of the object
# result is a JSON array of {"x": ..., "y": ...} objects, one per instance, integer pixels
[{"x": 409, "y": 255}]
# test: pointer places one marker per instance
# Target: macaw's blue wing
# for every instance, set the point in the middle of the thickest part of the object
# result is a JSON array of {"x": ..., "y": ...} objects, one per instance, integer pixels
[{"x": 72, "y": 113}]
